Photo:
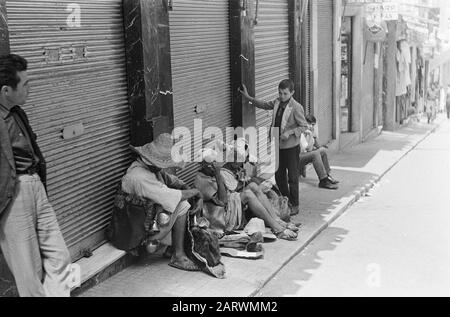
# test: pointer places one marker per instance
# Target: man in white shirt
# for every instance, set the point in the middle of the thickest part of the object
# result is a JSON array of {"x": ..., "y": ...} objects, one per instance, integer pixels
[{"x": 317, "y": 155}]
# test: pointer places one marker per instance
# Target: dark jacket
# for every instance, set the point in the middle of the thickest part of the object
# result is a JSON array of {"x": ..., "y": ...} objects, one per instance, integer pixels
[{"x": 8, "y": 177}]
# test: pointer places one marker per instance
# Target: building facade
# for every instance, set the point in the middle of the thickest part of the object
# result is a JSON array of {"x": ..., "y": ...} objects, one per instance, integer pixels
[{"x": 109, "y": 73}]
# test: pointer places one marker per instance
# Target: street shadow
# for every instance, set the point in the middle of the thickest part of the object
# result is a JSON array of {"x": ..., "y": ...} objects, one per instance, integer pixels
[
  {"x": 318, "y": 207},
  {"x": 301, "y": 269}
]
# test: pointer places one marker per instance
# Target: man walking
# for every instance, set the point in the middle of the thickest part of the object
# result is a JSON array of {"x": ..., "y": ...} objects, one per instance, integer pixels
[
  {"x": 289, "y": 118},
  {"x": 30, "y": 237}
]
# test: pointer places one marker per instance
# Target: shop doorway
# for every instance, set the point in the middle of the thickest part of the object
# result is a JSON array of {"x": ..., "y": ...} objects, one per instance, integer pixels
[{"x": 346, "y": 75}]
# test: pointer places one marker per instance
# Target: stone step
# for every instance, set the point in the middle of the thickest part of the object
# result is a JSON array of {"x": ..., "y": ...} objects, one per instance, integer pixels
[{"x": 104, "y": 263}]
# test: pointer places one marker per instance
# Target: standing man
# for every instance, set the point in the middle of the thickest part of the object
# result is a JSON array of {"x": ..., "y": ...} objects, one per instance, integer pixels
[
  {"x": 289, "y": 118},
  {"x": 30, "y": 238}
]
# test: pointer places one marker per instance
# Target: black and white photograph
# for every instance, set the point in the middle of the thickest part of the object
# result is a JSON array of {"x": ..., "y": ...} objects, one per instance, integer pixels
[{"x": 225, "y": 155}]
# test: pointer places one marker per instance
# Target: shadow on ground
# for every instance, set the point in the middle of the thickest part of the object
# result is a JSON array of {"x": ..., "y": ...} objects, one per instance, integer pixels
[{"x": 307, "y": 262}]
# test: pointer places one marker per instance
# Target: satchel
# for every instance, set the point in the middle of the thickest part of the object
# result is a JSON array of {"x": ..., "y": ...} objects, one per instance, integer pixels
[{"x": 132, "y": 219}]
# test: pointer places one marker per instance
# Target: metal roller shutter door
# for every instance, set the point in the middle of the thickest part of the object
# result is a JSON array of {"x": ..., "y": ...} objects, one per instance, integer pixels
[
  {"x": 77, "y": 76},
  {"x": 306, "y": 60},
  {"x": 271, "y": 55},
  {"x": 325, "y": 70},
  {"x": 200, "y": 49}
]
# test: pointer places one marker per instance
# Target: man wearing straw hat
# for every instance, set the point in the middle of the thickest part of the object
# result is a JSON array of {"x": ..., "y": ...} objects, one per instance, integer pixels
[{"x": 146, "y": 178}]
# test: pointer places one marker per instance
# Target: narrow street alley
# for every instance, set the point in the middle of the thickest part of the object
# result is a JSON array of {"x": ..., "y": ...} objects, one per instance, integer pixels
[
  {"x": 212, "y": 148},
  {"x": 393, "y": 242}
]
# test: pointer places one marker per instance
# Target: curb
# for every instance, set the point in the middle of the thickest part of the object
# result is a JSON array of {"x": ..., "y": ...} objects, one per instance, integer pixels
[{"x": 355, "y": 197}]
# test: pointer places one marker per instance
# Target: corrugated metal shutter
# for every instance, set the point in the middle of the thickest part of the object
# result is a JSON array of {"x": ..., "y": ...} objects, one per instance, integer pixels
[
  {"x": 77, "y": 76},
  {"x": 200, "y": 48},
  {"x": 325, "y": 69},
  {"x": 306, "y": 59},
  {"x": 271, "y": 55}
]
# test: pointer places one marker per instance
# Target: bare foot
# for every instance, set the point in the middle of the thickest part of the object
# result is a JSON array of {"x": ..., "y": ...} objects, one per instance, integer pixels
[{"x": 184, "y": 263}]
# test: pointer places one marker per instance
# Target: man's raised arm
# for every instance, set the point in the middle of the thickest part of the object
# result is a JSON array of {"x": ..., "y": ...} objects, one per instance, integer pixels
[{"x": 256, "y": 102}]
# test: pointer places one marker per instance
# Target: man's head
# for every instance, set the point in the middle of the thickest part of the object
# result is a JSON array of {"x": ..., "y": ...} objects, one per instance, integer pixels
[
  {"x": 13, "y": 80},
  {"x": 311, "y": 120},
  {"x": 286, "y": 90}
]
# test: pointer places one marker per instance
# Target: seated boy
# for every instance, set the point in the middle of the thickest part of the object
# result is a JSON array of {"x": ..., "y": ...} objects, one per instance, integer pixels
[{"x": 317, "y": 155}]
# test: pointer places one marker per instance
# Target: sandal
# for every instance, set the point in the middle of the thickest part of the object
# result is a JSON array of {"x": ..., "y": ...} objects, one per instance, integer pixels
[
  {"x": 289, "y": 225},
  {"x": 185, "y": 265},
  {"x": 292, "y": 227},
  {"x": 286, "y": 234}
]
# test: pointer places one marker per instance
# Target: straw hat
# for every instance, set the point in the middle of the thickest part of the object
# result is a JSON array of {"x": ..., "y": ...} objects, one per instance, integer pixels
[{"x": 159, "y": 153}]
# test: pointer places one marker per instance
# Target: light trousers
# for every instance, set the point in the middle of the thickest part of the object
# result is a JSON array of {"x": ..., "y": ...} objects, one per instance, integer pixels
[
  {"x": 319, "y": 158},
  {"x": 32, "y": 243}
]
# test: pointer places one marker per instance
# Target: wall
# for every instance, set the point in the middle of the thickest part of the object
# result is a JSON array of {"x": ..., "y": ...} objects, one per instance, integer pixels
[{"x": 367, "y": 103}]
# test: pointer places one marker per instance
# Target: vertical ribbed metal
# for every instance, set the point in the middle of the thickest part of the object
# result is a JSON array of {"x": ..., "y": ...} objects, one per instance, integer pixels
[
  {"x": 271, "y": 55},
  {"x": 325, "y": 70},
  {"x": 200, "y": 49},
  {"x": 306, "y": 59},
  {"x": 77, "y": 76}
]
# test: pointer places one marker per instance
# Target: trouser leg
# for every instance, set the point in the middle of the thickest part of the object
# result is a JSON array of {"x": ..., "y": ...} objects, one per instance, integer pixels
[
  {"x": 19, "y": 241},
  {"x": 326, "y": 163},
  {"x": 318, "y": 166},
  {"x": 305, "y": 159},
  {"x": 315, "y": 157},
  {"x": 55, "y": 255},
  {"x": 293, "y": 174},
  {"x": 281, "y": 176}
]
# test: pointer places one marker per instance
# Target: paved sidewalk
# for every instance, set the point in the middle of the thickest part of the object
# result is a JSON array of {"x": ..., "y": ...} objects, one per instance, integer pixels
[{"x": 358, "y": 168}]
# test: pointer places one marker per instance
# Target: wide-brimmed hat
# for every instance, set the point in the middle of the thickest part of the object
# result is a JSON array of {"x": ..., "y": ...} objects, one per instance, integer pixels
[
  {"x": 159, "y": 153},
  {"x": 256, "y": 225}
]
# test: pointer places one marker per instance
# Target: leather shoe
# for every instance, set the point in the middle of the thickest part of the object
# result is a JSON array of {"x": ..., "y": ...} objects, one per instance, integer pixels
[
  {"x": 295, "y": 211},
  {"x": 332, "y": 180},
  {"x": 326, "y": 184}
]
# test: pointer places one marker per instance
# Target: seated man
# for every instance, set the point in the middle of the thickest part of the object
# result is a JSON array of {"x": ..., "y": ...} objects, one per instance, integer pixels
[
  {"x": 318, "y": 156},
  {"x": 225, "y": 185},
  {"x": 146, "y": 178}
]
